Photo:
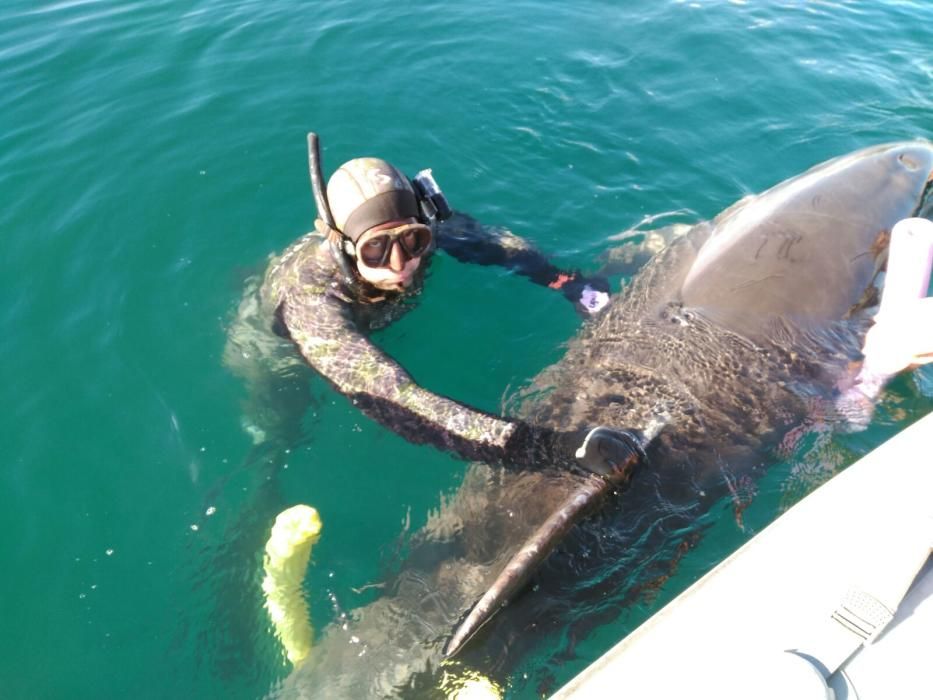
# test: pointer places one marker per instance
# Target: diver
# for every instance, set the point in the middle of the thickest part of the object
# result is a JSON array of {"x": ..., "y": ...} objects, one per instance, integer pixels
[{"x": 358, "y": 271}]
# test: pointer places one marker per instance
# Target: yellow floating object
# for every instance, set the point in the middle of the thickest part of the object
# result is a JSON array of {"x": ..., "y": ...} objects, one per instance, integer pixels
[
  {"x": 285, "y": 563},
  {"x": 461, "y": 683},
  {"x": 477, "y": 689}
]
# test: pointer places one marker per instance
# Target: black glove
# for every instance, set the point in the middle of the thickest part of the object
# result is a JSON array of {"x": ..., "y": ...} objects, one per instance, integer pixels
[
  {"x": 612, "y": 453},
  {"x": 587, "y": 294},
  {"x": 606, "y": 451}
]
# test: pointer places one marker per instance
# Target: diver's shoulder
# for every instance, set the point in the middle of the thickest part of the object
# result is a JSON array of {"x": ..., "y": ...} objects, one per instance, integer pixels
[
  {"x": 304, "y": 262},
  {"x": 310, "y": 244}
]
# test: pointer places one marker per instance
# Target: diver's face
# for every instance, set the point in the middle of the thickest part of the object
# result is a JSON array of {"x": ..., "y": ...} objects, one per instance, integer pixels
[{"x": 388, "y": 249}]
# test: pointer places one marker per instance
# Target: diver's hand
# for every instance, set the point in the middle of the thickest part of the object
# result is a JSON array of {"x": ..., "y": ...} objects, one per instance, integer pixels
[
  {"x": 589, "y": 295},
  {"x": 609, "y": 452},
  {"x": 606, "y": 451}
]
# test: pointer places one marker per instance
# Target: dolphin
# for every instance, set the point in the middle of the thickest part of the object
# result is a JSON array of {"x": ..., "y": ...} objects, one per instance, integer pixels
[{"x": 722, "y": 344}]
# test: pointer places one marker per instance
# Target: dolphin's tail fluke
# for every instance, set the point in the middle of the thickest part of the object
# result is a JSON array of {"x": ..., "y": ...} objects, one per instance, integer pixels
[{"x": 286, "y": 560}]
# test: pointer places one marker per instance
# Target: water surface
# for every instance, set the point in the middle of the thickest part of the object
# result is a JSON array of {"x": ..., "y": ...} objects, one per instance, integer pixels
[{"x": 152, "y": 156}]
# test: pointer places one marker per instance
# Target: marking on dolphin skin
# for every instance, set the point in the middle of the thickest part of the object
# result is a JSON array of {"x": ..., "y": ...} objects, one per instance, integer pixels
[
  {"x": 786, "y": 245},
  {"x": 764, "y": 242},
  {"x": 752, "y": 283}
]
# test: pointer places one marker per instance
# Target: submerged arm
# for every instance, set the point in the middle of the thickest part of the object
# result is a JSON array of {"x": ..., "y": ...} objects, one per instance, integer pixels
[
  {"x": 467, "y": 240},
  {"x": 637, "y": 248}
]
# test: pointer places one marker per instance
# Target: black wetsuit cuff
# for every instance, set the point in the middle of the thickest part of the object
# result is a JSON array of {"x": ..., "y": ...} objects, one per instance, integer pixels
[{"x": 541, "y": 448}]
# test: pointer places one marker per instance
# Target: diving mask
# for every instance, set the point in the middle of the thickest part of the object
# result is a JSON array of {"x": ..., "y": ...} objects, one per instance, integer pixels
[{"x": 414, "y": 238}]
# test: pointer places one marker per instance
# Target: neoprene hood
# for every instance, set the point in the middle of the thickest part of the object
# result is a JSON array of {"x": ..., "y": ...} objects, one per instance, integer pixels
[{"x": 367, "y": 192}]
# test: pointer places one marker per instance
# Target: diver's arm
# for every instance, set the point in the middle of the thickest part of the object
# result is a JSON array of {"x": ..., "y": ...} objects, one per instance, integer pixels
[
  {"x": 331, "y": 343},
  {"x": 467, "y": 240},
  {"x": 637, "y": 248}
]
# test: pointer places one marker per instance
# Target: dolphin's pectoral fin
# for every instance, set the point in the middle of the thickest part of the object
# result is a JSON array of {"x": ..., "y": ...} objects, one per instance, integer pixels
[{"x": 526, "y": 561}]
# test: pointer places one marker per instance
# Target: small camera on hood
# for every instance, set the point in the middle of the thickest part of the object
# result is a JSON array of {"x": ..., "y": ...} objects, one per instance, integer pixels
[{"x": 433, "y": 203}]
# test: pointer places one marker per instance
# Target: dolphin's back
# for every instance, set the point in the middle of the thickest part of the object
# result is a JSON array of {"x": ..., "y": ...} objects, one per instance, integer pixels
[{"x": 655, "y": 365}]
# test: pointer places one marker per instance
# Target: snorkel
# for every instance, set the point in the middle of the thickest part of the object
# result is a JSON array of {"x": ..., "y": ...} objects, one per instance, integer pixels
[{"x": 323, "y": 209}]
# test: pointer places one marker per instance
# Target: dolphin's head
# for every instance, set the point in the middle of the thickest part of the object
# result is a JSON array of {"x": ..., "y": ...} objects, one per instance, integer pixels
[
  {"x": 897, "y": 177},
  {"x": 806, "y": 250},
  {"x": 917, "y": 161},
  {"x": 914, "y": 156}
]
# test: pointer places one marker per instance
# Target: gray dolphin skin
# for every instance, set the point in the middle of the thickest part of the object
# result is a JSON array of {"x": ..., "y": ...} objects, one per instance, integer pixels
[
  {"x": 770, "y": 258},
  {"x": 720, "y": 346}
]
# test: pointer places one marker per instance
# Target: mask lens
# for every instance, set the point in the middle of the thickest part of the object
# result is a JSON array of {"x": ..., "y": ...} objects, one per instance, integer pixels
[
  {"x": 415, "y": 241},
  {"x": 374, "y": 251}
]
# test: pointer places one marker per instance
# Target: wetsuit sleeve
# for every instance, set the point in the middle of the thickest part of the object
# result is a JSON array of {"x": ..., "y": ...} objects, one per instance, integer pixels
[
  {"x": 326, "y": 335},
  {"x": 467, "y": 240}
]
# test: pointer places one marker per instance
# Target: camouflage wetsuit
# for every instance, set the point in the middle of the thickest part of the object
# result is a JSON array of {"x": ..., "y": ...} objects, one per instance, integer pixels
[{"x": 304, "y": 298}]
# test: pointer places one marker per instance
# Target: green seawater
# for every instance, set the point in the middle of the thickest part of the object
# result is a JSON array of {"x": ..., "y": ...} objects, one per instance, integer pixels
[{"x": 152, "y": 155}]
